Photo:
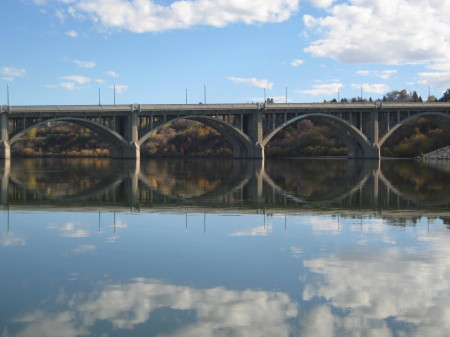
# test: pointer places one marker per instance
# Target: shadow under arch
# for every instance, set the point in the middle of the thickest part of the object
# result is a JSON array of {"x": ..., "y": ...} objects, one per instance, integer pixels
[
  {"x": 354, "y": 178},
  {"x": 241, "y": 143},
  {"x": 117, "y": 142},
  {"x": 441, "y": 119},
  {"x": 357, "y": 143}
]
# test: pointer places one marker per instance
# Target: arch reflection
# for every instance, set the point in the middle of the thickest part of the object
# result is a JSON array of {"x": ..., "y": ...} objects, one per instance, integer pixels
[{"x": 225, "y": 183}]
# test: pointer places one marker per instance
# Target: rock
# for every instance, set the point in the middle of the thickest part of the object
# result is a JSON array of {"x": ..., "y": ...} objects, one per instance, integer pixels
[{"x": 442, "y": 153}]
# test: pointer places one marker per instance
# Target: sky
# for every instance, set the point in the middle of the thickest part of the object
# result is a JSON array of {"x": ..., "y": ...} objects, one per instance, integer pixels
[{"x": 220, "y": 51}]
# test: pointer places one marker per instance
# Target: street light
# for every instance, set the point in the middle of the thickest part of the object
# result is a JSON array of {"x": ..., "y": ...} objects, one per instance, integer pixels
[{"x": 204, "y": 93}]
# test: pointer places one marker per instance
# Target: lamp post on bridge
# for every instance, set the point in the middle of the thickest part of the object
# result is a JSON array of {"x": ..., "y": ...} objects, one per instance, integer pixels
[{"x": 204, "y": 93}]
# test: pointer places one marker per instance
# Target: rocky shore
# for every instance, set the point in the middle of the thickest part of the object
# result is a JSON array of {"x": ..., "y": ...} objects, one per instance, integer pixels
[{"x": 442, "y": 153}]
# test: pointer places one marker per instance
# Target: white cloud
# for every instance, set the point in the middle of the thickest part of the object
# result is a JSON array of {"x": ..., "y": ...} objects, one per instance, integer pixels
[
  {"x": 320, "y": 224},
  {"x": 297, "y": 62},
  {"x": 371, "y": 286},
  {"x": 84, "y": 64},
  {"x": 12, "y": 239},
  {"x": 66, "y": 85},
  {"x": 373, "y": 88},
  {"x": 84, "y": 248},
  {"x": 70, "y": 229},
  {"x": 148, "y": 16},
  {"x": 76, "y": 78},
  {"x": 383, "y": 31},
  {"x": 60, "y": 15},
  {"x": 435, "y": 79},
  {"x": 321, "y": 3},
  {"x": 72, "y": 33},
  {"x": 322, "y": 89},
  {"x": 255, "y": 82},
  {"x": 440, "y": 78},
  {"x": 112, "y": 73},
  {"x": 384, "y": 74},
  {"x": 120, "y": 88},
  {"x": 127, "y": 305},
  {"x": 100, "y": 81},
  {"x": 256, "y": 231},
  {"x": 12, "y": 72}
]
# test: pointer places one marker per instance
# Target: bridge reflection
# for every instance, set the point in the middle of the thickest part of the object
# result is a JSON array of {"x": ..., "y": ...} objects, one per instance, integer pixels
[{"x": 235, "y": 184}]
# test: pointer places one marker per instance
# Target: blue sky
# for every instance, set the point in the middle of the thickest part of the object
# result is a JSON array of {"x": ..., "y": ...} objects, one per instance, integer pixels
[{"x": 66, "y": 51}]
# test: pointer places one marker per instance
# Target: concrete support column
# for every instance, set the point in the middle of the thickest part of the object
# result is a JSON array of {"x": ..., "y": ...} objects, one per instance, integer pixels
[
  {"x": 371, "y": 125},
  {"x": 133, "y": 124},
  {"x": 375, "y": 151},
  {"x": 256, "y": 134},
  {"x": 5, "y": 152},
  {"x": 133, "y": 149},
  {"x": 374, "y": 132}
]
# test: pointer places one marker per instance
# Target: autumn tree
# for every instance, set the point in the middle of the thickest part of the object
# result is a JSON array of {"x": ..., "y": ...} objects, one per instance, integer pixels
[{"x": 445, "y": 97}]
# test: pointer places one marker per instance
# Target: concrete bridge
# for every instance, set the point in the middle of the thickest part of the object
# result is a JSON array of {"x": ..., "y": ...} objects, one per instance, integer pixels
[{"x": 364, "y": 127}]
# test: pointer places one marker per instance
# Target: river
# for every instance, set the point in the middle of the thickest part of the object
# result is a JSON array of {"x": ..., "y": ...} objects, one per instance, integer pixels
[{"x": 212, "y": 247}]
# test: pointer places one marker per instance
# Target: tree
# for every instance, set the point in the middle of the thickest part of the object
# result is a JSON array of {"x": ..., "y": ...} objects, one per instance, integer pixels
[
  {"x": 445, "y": 97},
  {"x": 402, "y": 96},
  {"x": 397, "y": 96}
]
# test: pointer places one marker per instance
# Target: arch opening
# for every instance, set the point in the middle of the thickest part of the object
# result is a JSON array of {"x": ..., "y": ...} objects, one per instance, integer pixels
[
  {"x": 416, "y": 136},
  {"x": 63, "y": 138},
  {"x": 200, "y": 136},
  {"x": 317, "y": 135}
]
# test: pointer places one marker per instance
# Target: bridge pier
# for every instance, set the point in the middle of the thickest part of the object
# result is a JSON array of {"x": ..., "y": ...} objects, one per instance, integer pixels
[
  {"x": 5, "y": 149},
  {"x": 257, "y": 152},
  {"x": 372, "y": 152}
]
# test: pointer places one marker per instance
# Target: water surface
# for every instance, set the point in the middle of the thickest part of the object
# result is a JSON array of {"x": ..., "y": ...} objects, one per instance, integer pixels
[{"x": 224, "y": 248}]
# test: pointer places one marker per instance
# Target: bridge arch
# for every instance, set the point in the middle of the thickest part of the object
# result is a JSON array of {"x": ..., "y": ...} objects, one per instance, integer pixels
[
  {"x": 241, "y": 143},
  {"x": 119, "y": 145},
  {"x": 442, "y": 119},
  {"x": 357, "y": 143}
]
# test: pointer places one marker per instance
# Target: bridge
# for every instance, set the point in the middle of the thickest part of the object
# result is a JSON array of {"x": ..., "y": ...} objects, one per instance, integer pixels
[{"x": 363, "y": 127}]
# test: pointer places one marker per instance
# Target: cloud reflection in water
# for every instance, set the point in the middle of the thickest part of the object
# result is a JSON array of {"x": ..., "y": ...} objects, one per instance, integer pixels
[{"x": 218, "y": 310}]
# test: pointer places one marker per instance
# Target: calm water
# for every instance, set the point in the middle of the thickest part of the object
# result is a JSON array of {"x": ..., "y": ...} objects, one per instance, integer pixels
[{"x": 224, "y": 248}]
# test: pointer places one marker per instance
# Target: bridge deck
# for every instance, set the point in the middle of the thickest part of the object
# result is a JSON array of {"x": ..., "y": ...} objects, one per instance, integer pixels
[{"x": 53, "y": 110}]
